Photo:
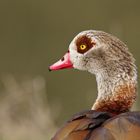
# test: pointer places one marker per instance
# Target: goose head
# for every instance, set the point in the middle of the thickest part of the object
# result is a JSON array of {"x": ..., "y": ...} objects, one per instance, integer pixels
[{"x": 108, "y": 58}]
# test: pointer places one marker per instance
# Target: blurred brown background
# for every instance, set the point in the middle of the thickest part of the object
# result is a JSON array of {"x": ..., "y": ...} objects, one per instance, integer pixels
[{"x": 33, "y": 35}]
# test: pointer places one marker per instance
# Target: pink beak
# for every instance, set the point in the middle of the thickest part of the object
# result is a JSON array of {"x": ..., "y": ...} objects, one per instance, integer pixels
[{"x": 63, "y": 63}]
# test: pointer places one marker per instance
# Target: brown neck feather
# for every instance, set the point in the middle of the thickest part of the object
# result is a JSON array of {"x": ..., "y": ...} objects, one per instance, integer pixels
[{"x": 120, "y": 101}]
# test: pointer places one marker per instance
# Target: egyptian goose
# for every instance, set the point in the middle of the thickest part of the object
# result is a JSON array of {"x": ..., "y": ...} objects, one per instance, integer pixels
[{"x": 110, "y": 118}]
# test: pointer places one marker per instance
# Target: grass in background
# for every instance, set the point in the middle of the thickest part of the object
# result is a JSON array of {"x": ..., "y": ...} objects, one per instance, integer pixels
[{"x": 24, "y": 110}]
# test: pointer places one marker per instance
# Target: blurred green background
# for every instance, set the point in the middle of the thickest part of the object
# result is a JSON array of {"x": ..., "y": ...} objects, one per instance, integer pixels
[{"x": 34, "y": 34}]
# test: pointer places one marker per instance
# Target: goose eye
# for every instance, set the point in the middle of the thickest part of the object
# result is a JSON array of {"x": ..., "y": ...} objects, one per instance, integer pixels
[{"x": 83, "y": 47}]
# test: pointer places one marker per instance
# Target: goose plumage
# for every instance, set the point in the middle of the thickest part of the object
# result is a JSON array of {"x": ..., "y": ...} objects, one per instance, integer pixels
[{"x": 109, "y": 59}]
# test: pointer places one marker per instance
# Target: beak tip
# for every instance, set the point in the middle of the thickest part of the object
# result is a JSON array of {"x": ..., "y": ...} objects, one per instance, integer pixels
[
  {"x": 49, "y": 69},
  {"x": 62, "y": 63}
]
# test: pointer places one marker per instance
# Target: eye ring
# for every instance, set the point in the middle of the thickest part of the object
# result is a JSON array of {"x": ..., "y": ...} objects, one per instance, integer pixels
[{"x": 83, "y": 47}]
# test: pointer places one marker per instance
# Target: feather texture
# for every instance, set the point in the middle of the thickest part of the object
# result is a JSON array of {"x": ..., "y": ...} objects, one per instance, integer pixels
[{"x": 94, "y": 125}]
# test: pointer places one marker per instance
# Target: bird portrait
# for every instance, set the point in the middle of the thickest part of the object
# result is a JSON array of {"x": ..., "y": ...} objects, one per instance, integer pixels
[{"x": 109, "y": 60}]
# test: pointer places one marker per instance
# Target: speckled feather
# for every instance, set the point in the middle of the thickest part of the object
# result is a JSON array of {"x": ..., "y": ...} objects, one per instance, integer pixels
[{"x": 113, "y": 65}]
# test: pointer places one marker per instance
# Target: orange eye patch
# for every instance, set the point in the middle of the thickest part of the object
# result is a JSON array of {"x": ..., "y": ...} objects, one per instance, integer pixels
[{"x": 84, "y": 44}]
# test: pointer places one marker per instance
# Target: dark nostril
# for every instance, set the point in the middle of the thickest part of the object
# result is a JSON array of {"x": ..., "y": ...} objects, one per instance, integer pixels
[{"x": 62, "y": 59}]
